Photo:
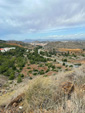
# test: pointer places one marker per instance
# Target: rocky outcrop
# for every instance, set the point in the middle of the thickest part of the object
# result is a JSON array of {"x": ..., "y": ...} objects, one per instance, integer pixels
[
  {"x": 15, "y": 106},
  {"x": 83, "y": 87},
  {"x": 67, "y": 87},
  {"x": 16, "y": 101}
]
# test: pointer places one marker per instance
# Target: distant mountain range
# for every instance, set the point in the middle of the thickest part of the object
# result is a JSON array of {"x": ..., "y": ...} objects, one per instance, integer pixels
[{"x": 50, "y": 40}]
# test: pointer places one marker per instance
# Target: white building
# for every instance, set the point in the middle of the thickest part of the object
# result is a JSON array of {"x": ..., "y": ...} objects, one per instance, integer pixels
[{"x": 6, "y": 49}]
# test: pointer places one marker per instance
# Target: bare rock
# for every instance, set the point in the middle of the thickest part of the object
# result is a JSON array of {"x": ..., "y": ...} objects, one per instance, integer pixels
[
  {"x": 16, "y": 101},
  {"x": 14, "y": 104},
  {"x": 83, "y": 87},
  {"x": 67, "y": 87}
]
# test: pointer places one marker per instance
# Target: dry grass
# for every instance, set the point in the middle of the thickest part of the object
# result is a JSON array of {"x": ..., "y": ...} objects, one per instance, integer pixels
[{"x": 45, "y": 94}]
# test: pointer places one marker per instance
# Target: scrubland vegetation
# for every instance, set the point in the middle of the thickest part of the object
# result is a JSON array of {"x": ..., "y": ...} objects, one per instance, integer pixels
[
  {"x": 62, "y": 93},
  {"x": 52, "y": 82},
  {"x": 47, "y": 94},
  {"x": 12, "y": 62}
]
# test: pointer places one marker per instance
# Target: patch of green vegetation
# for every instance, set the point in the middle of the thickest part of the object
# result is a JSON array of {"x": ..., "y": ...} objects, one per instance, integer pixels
[
  {"x": 35, "y": 70},
  {"x": 63, "y": 64},
  {"x": 71, "y": 66},
  {"x": 83, "y": 55},
  {"x": 64, "y": 60},
  {"x": 28, "y": 67},
  {"x": 50, "y": 65},
  {"x": 78, "y": 64},
  {"x": 41, "y": 72},
  {"x": 66, "y": 65},
  {"x": 40, "y": 65},
  {"x": 47, "y": 70},
  {"x": 59, "y": 67},
  {"x": 22, "y": 75},
  {"x": 55, "y": 70},
  {"x": 19, "y": 79},
  {"x": 35, "y": 57},
  {"x": 35, "y": 74},
  {"x": 11, "y": 77},
  {"x": 30, "y": 78},
  {"x": 45, "y": 75},
  {"x": 12, "y": 61},
  {"x": 66, "y": 69},
  {"x": 30, "y": 71},
  {"x": 74, "y": 55}
]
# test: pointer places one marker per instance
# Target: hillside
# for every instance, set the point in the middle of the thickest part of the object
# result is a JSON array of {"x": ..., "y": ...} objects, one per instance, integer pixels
[
  {"x": 62, "y": 93},
  {"x": 67, "y": 44},
  {"x": 15, "y": 43},
  {"x": 19, "y": 43},
  {"x": 34, "y": 80},
  {"x": 2, "y": 41}
]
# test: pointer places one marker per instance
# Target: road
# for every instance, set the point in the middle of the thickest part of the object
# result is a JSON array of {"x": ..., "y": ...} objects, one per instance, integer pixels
[{"x": 61, "y": 62}]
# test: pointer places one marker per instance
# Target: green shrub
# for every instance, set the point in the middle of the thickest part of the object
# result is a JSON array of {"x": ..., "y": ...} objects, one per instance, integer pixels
[
  {"x": 30, "y": 78},
  {"x": 28, "y": 68},
  {"x": 53, "y": 66},
  {"x": 63, "y": 64},
  {"x": 71, "y": 66},
  {"x": 59, "y": 67},
  {"x": 41, "y": 72},
  {"x": 64, "y": 60},
  {"x": 22, "y": 75},
  {"x": 35, "y": 70},
  {"x": 11, "y": 77},
  {"x": 54, "y": 60},
  {"x": 66, "y": 69},
  {"x": 30, "y": 71},
  {"x": 47, "y": 70},
  {"x": 45, "y": 75},
  {"x": 40, "y": 65},
  {"x": 19, "y": 79},
  {"x": 34, "y": 73},
  {"x": 66, "y": 65}
]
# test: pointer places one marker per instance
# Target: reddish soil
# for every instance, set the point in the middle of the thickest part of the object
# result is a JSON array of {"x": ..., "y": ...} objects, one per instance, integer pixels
[
  {"x": 51, "y": 73},
  {"x": 14, "y": 44},
  {"x": 32, "y": 66},
  {"x": 70, "y": 50}
]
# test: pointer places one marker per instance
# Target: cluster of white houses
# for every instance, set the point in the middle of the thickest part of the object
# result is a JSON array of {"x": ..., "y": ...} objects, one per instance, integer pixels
[
  {"x": 38, "y": 44},
  {"x": 6, "y": 49}
]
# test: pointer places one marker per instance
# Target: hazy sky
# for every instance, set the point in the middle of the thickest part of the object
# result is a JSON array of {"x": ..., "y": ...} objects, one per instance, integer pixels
[{"x": 35, "y": 19}]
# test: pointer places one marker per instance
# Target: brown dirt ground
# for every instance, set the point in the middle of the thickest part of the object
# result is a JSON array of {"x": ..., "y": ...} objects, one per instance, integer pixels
[
  {"x": 70, "y": 50},
  {"x": 32, "y": 66}
]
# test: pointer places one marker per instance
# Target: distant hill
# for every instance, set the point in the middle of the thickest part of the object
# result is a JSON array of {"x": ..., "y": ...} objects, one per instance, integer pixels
[
  {"x": 36, "y": 40},
  {"x": 65, "y": 44},
  {"x": 2, "y": 41},
  {"x": 15, "y": 43}
]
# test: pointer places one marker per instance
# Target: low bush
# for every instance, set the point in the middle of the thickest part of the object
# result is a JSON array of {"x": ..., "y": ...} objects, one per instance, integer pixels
[
  {"x": 11, "y": 77},
  {"x": 19, "y": 79},
  {"x": 28, "y": 67},
  {"x": 46, "y": 94}
]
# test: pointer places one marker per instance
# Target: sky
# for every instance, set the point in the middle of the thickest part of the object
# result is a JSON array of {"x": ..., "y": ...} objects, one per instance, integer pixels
[{"x": 42, "y": 19}]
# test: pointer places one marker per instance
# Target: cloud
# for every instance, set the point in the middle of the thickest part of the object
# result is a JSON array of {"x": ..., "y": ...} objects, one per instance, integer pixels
[
  {"x": 27, "y": 16},
  {"x": 71, "y": 36}
]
